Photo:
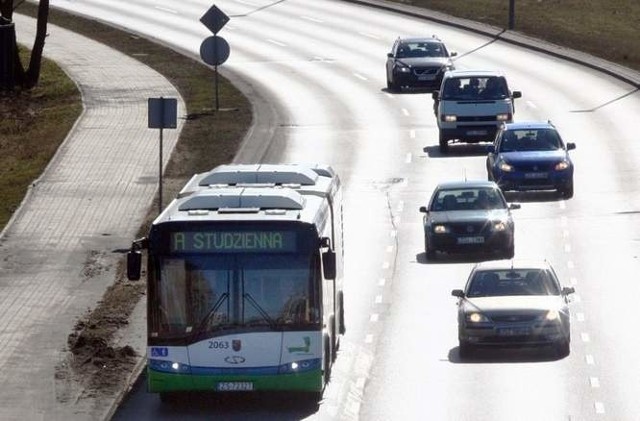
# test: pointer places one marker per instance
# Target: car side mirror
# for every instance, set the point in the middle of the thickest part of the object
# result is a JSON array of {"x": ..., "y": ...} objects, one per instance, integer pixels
[
  {"x": 516, "y": 94},
  {"x": 571, "y": 146},
  {"x": 453, "y": 54},
  {"x": 435, "y": 95},
  {"x": 423, "y": 209},
  {"x": 390, "y": 55},
  {"x": 568, "y": 290},
  {"x": 514, "y": 206},
  {"x": 457, "y": 293}
]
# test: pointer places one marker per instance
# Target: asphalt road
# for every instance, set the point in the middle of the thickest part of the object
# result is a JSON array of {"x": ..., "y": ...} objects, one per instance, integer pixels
[{"x": 320, "y": 64}]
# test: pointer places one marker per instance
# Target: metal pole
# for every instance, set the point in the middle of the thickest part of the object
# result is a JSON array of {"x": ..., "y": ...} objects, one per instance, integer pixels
[
  {"x": 512, "y": 14},
  {"x": 160, "y": 174},
  {"x": 215, "y": 69}
]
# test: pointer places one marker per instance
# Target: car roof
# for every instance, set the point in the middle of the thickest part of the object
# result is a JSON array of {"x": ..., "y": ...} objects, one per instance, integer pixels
[
  {"x": 473, "y": 73},
  {"x": 421, "y": 39},
  {"x": 529, "y": 125},
  {"x": 512, "y": 264},
  {"x": 466, "y": 184}
]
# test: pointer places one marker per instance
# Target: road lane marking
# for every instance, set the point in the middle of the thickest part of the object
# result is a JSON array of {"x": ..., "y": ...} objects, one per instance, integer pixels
[
  {"x": 585, "y": 337},
  {"x": 368, "y": 35},
  {"x": 407, "y": 159},
  {"x": 563, "y": 221},
  {"x": 393, "y": 233},
  {"x": 386, "y": 265},
  {"x": 166, "y": 9},
  {"x": 580, "y": 317},
  {"x": 374, "y": 317},
  {"x": 389, "y": 95},
  {"x": 595, "y": 383},
  {"x": 389, "y": 249},
  {"x": 400, "y": 206},
  {"x": 562, "y": 205},
  {"x": 378, "y": 299},
  {"x": 312, "y": 19},
  {"x": 368, "y": 339},
  {"x": 599, "y": 407},
  {"x": 412, "y": 134},
  {"x": 359, "y": 76},
  {"x": 565, "y": 233},
  {"x": 405, "y": 112},
  {"x": 381, "y": 282},
  {"x": 567, "y": 248},
  {"x": 532, "y": 105},
  {"x": 278, "y": 43}
]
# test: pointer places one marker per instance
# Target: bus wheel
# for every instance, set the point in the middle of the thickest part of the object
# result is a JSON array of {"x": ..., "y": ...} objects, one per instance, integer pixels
[
  {"x": 169, "y": 398},
  {"x": 334, "y": 340},
  {"x": 343, "y": 327},
  {"x": 327, "y": 359}
]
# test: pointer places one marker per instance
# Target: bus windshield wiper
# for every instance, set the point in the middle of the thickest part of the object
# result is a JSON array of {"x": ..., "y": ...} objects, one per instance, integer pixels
[
  {"x": 260, "y": 310},
  {"x": 211, "y": 313}
]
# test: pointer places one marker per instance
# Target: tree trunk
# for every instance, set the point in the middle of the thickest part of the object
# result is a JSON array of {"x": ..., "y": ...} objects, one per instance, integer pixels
[{"x": 32, "y": 74}]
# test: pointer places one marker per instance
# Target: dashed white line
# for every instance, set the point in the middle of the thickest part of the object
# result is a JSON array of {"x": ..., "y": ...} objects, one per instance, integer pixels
[
  {"x": 246, "y": 2},
  {"x": 405, "y": 112},
  {"x": 165, "y": 9},
  {"x": 360, "y": 382},
  {"x": 393, "y": 233},
  {"x": 386, "y": 265},
  {"x": 368, "y": 35},
  {"x": 599, "y": 407},
  {"x": 389, "y": 95},
  {"x": 389, "y": 249},
  {"x": 374, "y": 317},
  {"x": 378, "y": 299},
  {"x": 590, "y": 360},
  {"x": 565, "y": 233},
  {"x": 359, "y": 76},
  {"x": 580, "y": 317},
  {"x": 532, "y": 105},
  {"x": 381, "y": 282},
  {"x": 312, "y": 19},
  {"x": 563, "y": 221},
  {"x": 595, "y": 383},
  {"x": 400, "y": 206},
  {"x": 278, "y": 43},
  {"x": 408, "y": 158},
  {"x": 368, "y": 339},
  {"x": 412, "y": 134},
  {"x": 562, "y": 205},
  {"x": 567, "y": 248},
  {"x": 585, "y": 337}
]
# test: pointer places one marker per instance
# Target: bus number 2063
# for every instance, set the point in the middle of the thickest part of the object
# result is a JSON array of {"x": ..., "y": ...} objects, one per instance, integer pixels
[{"x": 219, "y": 345}]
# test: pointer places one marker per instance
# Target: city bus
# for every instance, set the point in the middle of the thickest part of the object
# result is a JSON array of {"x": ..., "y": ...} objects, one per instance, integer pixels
[{"x": 244, "y": 277}]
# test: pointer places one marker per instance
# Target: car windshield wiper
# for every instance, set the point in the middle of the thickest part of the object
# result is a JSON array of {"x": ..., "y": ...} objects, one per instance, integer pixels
[{"x": 260, "y": 310}]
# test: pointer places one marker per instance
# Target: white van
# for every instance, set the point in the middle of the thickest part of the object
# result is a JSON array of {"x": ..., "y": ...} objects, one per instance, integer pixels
[{"x": 471, "y": 105}]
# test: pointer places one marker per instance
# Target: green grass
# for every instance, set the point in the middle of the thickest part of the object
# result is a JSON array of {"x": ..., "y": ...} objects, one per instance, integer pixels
[{"x": 609, "y": 29}]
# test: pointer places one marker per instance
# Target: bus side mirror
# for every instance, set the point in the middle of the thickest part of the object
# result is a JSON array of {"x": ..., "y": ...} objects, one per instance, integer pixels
[
  {"x": 329, "y": 264},
  {"x": 134, "y": 264}
]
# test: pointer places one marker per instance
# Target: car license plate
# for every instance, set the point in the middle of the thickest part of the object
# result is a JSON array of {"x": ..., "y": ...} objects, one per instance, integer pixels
[
  {"x": 477, "y": 132},
  {"x": 513, "y": 331},
  {"x": 533, "y": 175},
  {"x": 470, "y": 240},
  {"x": 234, "y": 386},
  {"x": 425, "y": 77}
]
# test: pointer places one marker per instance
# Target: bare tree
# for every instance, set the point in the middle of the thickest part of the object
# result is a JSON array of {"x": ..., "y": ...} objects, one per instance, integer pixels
[{"x": 24, "y": 78}]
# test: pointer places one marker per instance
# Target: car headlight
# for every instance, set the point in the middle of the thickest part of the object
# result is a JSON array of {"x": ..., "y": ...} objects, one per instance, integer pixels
[
  {"x": 504, "y": 117},
  {"x": 476, "y": 318},
  {"x": 449, "y": 118},
  {"x": 561, "y": 166},
  {"x": 402, "y": 68},
  {"x": 552, "y": 315},
  {"x": 440, "y": 229},
  {"x": 505, "y": 167},
  {"x": 499, "y": 226}
]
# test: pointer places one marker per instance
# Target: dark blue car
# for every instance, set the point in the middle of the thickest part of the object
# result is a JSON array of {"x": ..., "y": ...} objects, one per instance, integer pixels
[{"x": 531, "y": 156}]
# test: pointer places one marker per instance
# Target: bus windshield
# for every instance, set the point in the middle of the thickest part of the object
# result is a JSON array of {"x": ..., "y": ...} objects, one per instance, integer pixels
[{"x": 199, "y": 294}]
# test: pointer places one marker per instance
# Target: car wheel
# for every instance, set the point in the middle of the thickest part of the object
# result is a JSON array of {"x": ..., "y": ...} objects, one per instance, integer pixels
[
  {"x": 392, "y": 86},
  {"x": 567, "y": 191},
  {"x": 444, "y": 143},
  {"x": 563, "y": 348},
  {"x": 465, "y": 350},
  {"x": 428, "y": 251},
  {"x": 510, "y": 252}
]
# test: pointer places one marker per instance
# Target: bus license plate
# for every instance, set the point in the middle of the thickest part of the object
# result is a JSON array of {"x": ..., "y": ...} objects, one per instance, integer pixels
[
  {"x": 470, "y": 240},
  {"x": 234, "y": 387}
]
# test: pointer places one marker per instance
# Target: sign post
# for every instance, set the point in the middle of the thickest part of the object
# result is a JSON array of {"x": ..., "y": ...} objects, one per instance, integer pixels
[
  {"x": 163, "y": 114},
  {"x": 214, "y": 50}
]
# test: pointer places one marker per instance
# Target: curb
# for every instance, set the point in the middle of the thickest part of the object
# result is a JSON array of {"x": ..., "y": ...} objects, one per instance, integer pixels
[{"x": 617, "y": 71}]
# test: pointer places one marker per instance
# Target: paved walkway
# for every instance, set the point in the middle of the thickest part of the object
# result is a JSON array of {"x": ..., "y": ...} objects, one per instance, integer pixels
[{"x": 58, "y": 253}]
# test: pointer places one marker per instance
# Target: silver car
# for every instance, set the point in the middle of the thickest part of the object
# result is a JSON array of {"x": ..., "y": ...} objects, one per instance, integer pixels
[{"x": 512, "y": 302}]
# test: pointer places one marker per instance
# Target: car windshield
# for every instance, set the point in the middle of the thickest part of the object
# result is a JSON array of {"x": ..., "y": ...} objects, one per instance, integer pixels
[
  {"x": 498, "y": 283},
  {"x": 421, "y": 49},
  {"x": 475, "y": 88},
  {"x": 476, "y": 198},
  {"x": 530, "y": 140}
]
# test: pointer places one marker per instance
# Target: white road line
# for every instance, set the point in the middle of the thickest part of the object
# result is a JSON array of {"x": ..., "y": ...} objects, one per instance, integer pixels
[
  {"x": 595, "y": 383},
  {"x": 412, "y": 134},
  {"x": 359, "y": 76},
  {"x": 381, "y": 282},
  {"x": 393, "y": 233},
  {"x": 368, "y": 35},
  {"x": 374, "y": 318},
  {"x": 565, "y": 233},
  {"x": 368, "y": 339},
  {"x": 563, "y": 221},
  {"x": 385, "y": 265},
  {"x": 599, "y": 407},
  {"x": 278, "y": 43},
  {"x": 405, "y": 112},
  {"x": 389, "y": 249},
  {"x": 562, "y": 205},
  {"x": 580, "y": 317},
  {"x": 166, "y": 9},
  {"x": 407, "y": 159},
  {"x": 573, "y": 281},
  {"x": 378, "y": 299},
  {"x": 312, "y": 19},
  {"x": 400, "y": 206},
  {"x": 590, "y": 360},
  {"x": 389, "y": 95},
  {"x": 585, "y": 337},
  {"x": 567, "y": 248},
  {"x": 532, "y": 105},
  {"x": 360, "y": 382},
  {"x": 246, "y": 2}
]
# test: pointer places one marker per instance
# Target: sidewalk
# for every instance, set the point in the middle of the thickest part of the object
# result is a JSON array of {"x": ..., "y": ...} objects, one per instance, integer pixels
[{"x": 59, "y": 251}]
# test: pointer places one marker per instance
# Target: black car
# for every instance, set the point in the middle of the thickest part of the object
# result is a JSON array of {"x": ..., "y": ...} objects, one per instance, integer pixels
[
  {"x": 468, "y": 216},
  {"x": 417, "y": 62},
  {"x": 531, "y": 156}
]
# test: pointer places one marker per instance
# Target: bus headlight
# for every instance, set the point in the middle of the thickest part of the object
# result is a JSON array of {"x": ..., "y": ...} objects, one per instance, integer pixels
[
  {"x": 503, "y": 117},
  {"x": 449, "y": 118}
]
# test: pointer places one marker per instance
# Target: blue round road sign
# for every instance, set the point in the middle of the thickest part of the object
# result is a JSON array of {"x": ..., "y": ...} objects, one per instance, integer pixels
[{"x": 214, "y": 50}]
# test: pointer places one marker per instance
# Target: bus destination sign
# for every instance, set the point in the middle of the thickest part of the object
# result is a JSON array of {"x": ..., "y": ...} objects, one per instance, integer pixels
[{"x": 233, "y": 242}]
